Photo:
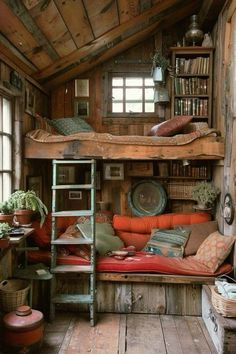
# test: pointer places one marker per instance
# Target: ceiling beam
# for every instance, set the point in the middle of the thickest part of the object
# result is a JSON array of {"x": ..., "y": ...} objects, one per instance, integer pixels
[
  {"x": 122, "y": 43},
  {"x": 21, "y": 12},
  {"x": 153, "y": 16},
  {"x": 209, "y": 12},
  {"x": 16, "y": 56}
]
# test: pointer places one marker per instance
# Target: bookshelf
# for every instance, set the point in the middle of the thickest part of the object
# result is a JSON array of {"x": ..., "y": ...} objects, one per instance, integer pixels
[{"x": 191, "y": 92}]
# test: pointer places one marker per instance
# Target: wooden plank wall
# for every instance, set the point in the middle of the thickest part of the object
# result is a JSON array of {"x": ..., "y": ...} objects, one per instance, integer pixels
[
  {"x": 223, "y": 117},
  {"x": 25, "y": 121}
]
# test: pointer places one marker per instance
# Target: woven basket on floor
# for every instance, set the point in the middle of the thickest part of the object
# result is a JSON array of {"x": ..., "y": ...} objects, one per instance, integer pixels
[
  {"x": 13, "y": 293},
  {"x": 226, "y": 307}
]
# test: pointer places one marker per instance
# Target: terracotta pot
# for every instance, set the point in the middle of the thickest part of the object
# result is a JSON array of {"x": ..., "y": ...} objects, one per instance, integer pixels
[
  {"x": 23, "y": 216},
  {"x": 7, "y": 218},
  {"x": 4, "y": 242},
  {"x": 23, "y": 330}
]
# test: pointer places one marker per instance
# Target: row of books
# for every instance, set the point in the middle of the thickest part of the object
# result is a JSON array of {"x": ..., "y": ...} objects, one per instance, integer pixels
[
  {"x": 199, "y": 65},
  {"x": 191, "y": 86},
  {"x": 178, "y": 170},
  {"x": 191, "y": 106}
]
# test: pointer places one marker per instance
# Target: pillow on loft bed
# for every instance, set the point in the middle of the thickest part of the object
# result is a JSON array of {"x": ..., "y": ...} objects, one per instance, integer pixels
[
  {"x": 171, "y": 126},
  {"x": 63, "y": 126},
  {"x": 44, "y": 124},
  {"x": 67, "y": 126}
]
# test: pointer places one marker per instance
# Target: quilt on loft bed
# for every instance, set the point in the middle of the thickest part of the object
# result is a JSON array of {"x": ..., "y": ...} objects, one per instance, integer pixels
[{"x": 41, "y": 143}]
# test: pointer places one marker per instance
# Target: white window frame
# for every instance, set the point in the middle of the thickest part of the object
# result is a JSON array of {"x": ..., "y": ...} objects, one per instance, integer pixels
[
  {"x": 6, "y": 142},
  {"x": 124, "y": 75}
]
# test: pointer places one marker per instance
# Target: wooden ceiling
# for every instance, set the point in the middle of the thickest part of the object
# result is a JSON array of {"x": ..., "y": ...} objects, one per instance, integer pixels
[{"x": 56, "y": 40}]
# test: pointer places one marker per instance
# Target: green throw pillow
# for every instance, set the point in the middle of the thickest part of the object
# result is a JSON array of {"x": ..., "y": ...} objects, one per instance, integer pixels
[
  {"x": 67, "y": 126},
  {"x": 105, "y": 239}
]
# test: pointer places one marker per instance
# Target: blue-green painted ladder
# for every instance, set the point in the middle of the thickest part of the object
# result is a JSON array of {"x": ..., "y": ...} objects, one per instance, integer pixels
[{"x": 89, "y": 298}]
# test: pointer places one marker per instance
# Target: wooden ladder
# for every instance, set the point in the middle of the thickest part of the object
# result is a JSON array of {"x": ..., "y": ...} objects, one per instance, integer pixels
[{"x": 89, "y": 298}]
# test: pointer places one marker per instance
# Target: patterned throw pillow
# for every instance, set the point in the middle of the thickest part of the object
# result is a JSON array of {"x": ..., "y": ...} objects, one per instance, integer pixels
[
  {"x": 67, "y": 126},
  {"x": 169, "y": 243},
  {"x": 214, "y": 250},
  {"x": 171, "y": 127},
  {"x": 165, "y": 249},
  {"x": 178, "y": 236}
]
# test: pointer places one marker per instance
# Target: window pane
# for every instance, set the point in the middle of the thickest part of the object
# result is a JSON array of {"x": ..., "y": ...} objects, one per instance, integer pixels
[
  {"x": 7, "y": 153},
  {"x": 134, "y": 81},
  {"x": 149, "y": 94},
  {"x": 6, "y": 185},
  {"x": 1, "y": 152},
  {"x": 133, "y": 107},
  {"x": 149, "y": 107},
  {"x": 148, "y": 82},
  {"x": 117, "y": 81},
  {"x": 117, "y": 107},
  {"x": 7, "y": 127},
  {"x": 117, "y": 94},
  {"x": 134, "y": 94}
]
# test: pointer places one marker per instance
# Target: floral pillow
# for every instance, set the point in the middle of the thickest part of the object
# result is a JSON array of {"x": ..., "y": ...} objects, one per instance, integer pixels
[{"x": 214, "y": 250}]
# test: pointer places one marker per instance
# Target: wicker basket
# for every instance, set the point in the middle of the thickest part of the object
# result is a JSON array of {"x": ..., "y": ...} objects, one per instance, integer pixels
[
  {"x": 13, "y": 293},
  {"x": 226, "y": 307}
]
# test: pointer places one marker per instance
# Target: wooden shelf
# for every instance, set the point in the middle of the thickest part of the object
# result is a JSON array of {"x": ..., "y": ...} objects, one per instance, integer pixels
[{"x": 191, "y": 92}]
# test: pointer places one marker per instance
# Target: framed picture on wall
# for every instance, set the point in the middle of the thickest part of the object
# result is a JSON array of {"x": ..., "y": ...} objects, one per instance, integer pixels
[
  {"x": 82, "y": 88},
  {"x": 29, "y": 101},
  {"x": 113, "y": 171},
  {"x": 81, "y": 108}
]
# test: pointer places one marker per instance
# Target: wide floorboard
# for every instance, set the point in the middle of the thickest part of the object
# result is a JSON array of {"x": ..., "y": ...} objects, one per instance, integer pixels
[{"x": 130, "y": 334}]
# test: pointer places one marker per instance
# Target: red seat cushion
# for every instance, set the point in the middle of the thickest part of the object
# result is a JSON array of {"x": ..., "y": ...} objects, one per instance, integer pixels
[{"x": 141, "y": 263}]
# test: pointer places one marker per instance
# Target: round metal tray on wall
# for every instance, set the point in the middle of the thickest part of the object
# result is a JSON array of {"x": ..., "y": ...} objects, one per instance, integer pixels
[{"x": 147, "y": 198}]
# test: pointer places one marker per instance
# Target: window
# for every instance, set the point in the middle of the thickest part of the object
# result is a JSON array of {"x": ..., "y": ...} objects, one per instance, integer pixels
[
  {"x": 131, "y": 94},
  {"x": 6, "y": 148}
]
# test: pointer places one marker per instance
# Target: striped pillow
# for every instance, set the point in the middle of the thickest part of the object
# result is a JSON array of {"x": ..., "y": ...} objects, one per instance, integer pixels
[{"x": 169, "y": 243}]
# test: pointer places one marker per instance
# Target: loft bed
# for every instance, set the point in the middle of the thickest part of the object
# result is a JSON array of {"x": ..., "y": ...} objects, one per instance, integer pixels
[{"x": 200, "y": 143}]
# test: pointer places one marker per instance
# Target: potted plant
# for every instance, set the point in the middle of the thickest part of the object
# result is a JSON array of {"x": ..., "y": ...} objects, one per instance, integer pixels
[
  {"x": 205, "y": 193},
  {"x": 5, "y": 228},
  {"x": 6, "y": 212},
  {"x": 159, "y": 65},
  {"x": 25, "y": 203}
]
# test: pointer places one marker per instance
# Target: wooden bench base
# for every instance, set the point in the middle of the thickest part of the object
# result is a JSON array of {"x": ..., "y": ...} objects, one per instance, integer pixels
[{"x": 140, "y": 293}]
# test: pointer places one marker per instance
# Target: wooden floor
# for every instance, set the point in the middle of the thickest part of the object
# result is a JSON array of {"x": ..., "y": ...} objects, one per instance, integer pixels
[{"x": 131, "y": 334}]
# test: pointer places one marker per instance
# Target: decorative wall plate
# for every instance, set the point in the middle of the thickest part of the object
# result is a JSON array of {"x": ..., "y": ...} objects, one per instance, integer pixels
[{"x": 147, "y": 197}]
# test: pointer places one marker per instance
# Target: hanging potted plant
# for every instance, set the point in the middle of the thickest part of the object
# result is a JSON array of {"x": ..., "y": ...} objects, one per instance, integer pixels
[
  {"x": 5, "y": 228},
  {"x": 205, "y": 193},
  {"x": 6, "y": 212},
  {"x": 24, "y": 204},
  {"x": 159, "y": 66}
]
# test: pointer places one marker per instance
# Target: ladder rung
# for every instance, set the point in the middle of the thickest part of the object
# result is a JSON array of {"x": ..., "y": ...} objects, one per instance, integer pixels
[
  {"x": 66, "y": 162},
  {"x": 72, "y": 299},
  {"x": 72, "y": 241},
  {"x": 74, "y": 213},
  {"x": 73, "y": 186},
  {"x": 72, "y": 269}
]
